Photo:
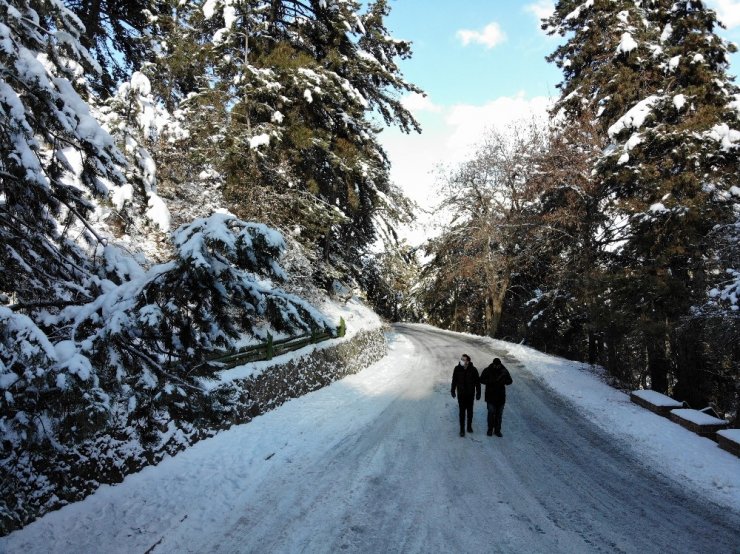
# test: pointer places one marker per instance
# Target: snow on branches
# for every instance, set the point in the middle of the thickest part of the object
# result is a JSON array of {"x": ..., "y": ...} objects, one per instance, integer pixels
[{"x": 146, "y": 342}]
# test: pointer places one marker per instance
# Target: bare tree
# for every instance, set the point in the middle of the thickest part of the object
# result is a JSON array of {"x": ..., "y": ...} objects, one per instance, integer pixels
[{"x": 488, "y": 200}]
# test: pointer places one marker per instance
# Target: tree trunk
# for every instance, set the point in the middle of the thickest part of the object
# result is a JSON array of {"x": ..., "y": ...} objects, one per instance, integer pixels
[
  {"x": 327, "y": 247},
  {"x": 497, "y": 294},
  {"x": 498, "y": 284},
  {"x": 593, "y": 347},
  {"x": 658, "y": 364},
  {"x": 689, "y": 362}
]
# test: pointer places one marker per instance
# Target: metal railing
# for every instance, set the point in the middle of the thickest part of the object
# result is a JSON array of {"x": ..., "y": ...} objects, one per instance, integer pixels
[{"x": 271, "y": 348}]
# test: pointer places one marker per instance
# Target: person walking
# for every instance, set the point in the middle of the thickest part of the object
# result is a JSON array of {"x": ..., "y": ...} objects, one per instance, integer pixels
[
  {"x": 496, "y": 377},
  {"x": 466, "y": 386}
]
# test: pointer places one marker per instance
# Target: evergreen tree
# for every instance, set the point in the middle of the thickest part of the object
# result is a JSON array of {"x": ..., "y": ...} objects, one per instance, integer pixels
[
  {"x": 119, "y": 34},
  {"x": 669, "y": 176},
  {"x": 666, "y": 174},
  {"x": 93, "y": 338},
  {"x": 607, "y": 59},
  {"x": 139, "y": 126},
  {"x": 56, "y": 155},
  {"x": 284, "y": 100},
  {"x": 57, "y": 163}
]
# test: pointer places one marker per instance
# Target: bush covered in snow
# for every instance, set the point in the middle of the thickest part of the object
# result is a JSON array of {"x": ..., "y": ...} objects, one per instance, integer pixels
[{"x": 119, "y": 380}]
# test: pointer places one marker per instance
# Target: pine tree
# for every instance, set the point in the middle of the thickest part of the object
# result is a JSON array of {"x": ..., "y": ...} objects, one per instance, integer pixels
[
  {"x": 42, "y": 114},
  {"x": 91, "y": 334},
  {"x": 286, "y": 109},
  {"x": 666, "y": 174},
  {"x": 57, "y": 163},
  {"x": 606, "y": 60},
  {"x": 669, "y": 175},
  {"x": 119, "y": 35},
  {"x": 140, "y": 126}
]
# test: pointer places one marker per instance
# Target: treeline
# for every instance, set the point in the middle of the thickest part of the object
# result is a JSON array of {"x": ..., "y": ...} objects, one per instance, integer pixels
[
  {"x": 176, "y": 180},
  {"x": 610, "y": 234}
]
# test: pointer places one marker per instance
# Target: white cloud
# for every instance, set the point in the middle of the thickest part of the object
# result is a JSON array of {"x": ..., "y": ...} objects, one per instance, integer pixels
[
  {"x": 468, "y": 123},
  {"x": 541, "y": 9},
  {"x": 415, "y": 103},
  {"x": 490, "y": 36},
  {"x": 728, "y": 11},
  {"x": 450, "y": 135}
]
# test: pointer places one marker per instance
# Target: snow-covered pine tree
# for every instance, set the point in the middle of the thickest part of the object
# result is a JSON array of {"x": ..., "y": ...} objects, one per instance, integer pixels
[
  {"x": 56, "y": 159},
  {"x": 55, "y": 154},
  {"x": 140, "y": 125},
  {"x": 670, "y": 169},
  {"x": 658, "y": 83},
  {"x": 290, "y": 89},
  {"x": 607, "y": 65},
  {"x": 119, "y": 35},
  {"x": 605, "y": 61},
  {"x": 157, "y": 330},
  {"x": 91, "y": 342}
]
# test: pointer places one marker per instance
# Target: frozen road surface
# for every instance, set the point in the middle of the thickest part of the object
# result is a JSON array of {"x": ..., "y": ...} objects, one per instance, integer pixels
[{"x": 374, "y": 463}]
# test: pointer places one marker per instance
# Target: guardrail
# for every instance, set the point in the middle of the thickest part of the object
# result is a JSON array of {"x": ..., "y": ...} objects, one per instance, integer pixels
[{"x": 271, "y": 348}]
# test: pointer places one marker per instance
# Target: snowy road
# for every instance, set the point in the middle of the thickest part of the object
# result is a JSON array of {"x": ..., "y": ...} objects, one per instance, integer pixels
[{"x": 374, "y": 464}]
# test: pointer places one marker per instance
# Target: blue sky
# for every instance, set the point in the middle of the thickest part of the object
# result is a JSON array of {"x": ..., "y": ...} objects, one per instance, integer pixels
[
  {"x": 452, "y": 72},
  {"x": 482, "y": 65}
]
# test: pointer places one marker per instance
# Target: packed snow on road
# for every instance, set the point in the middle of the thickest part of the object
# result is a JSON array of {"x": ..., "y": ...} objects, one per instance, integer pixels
[{"x": 374, "y": 463}]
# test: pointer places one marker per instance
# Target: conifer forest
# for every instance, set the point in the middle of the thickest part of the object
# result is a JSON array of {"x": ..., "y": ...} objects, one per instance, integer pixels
[{"x": 181, "y": 179}]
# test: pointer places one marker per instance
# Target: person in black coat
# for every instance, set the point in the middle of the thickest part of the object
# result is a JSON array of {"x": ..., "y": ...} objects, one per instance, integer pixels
[
  {"x": 496, "y": 377},
  {"x": 466, "y": 386}
]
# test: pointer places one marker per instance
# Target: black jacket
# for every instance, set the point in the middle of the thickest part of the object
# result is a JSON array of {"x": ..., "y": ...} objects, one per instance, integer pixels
[
  {"x": 465, "y": 382},
  {"x": 495, "y": 377}
]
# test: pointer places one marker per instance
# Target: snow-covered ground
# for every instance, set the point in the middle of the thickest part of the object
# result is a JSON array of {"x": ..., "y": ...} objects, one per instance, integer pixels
[
  {"x": 668, "y": 447},
  {"x": 373, "y": 463}
]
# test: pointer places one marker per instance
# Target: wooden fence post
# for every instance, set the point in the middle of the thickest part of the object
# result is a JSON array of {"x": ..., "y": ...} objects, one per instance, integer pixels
[{"x": 270, "y": 347}]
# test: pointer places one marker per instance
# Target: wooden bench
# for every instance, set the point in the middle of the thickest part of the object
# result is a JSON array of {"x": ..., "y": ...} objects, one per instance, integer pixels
[
  {"x": 729, "y": 439},
  {"x": 700, "y": 423},
  {"x": 655, "y": 402}
]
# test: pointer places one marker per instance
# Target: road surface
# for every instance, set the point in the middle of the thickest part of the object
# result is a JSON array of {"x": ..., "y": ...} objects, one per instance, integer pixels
[{"x": 374, "y": 463}]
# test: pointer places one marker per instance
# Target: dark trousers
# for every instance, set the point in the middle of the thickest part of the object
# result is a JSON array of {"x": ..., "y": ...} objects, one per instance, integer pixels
[
  {"x": 495, "y": 415},
  {"x": 466, "y": 405}
]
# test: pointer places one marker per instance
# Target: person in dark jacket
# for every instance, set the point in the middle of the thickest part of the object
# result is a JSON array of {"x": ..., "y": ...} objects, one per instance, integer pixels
[
  {"x": 496, "y": 377},
  {"x": 466, "y": 386}
]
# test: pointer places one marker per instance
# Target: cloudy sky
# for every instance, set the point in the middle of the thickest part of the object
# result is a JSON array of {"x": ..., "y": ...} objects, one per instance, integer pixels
[{"x": 481, "y": 64}]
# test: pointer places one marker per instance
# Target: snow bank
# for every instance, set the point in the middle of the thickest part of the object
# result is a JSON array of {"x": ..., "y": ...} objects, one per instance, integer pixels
[
  {"x": 687, "y": 458},
  {"x": 357, "y": 315}
]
